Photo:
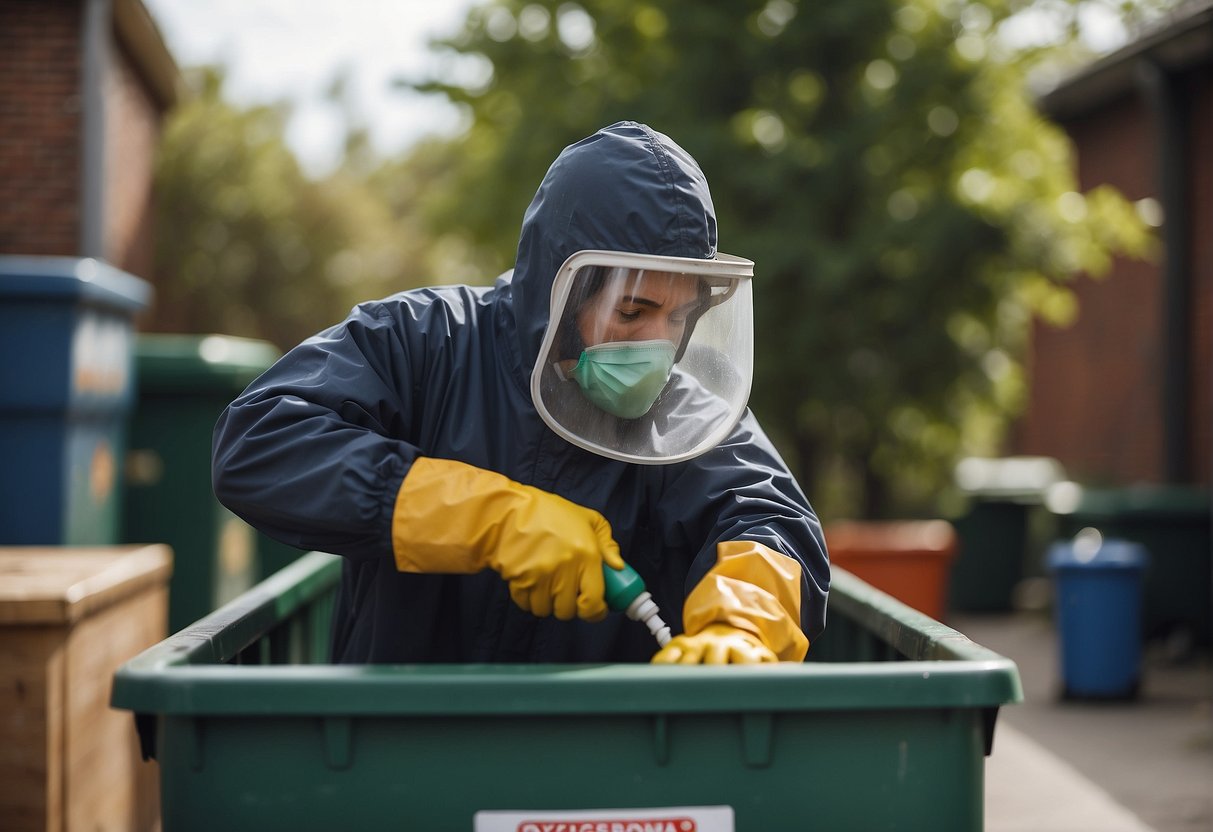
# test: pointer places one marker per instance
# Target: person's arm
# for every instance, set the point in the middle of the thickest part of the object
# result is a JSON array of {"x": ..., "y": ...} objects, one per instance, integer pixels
[
  {"x": 757, "y": 589},
  {"x": 311, "y": 453}
]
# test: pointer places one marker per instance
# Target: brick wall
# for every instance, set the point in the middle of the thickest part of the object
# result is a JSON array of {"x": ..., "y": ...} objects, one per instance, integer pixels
[
  {"x": 41, "y": 134},
  {"x": 39, "y": 126}
]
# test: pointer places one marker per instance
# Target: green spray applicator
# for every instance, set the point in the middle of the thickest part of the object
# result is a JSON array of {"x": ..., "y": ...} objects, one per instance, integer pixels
[{"x": 625, "y": 591}]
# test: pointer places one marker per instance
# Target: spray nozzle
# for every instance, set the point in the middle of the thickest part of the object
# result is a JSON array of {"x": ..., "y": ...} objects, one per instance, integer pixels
[{"x": 625, "y": 591}]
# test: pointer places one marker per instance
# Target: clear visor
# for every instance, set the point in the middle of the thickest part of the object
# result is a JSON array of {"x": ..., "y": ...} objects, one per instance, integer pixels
[{"x": 646, "y": 359}]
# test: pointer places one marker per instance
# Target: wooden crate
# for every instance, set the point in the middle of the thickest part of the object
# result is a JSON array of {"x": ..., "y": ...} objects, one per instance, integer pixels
[{"x": 69, "y": 616}]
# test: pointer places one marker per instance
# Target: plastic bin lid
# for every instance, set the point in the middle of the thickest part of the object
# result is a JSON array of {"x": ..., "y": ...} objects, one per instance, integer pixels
[
  {"x": 1132, "y": 501},
  {"x": 71, "y": 278},
  {"x": 193, "y": 362},
  {"x": 1091, "y": 550},
  {"x": 1010, "y": 478}
]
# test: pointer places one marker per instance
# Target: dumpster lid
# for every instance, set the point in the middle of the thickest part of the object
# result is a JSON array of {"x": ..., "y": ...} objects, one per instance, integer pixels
[
  {"x": 1091, "y": 550},
  {"x": 191, "y": 362},
  {"x": 62, "y": 584},
  {"x": 83, "y": 278},
  {"x": 1010, "y": 478}
]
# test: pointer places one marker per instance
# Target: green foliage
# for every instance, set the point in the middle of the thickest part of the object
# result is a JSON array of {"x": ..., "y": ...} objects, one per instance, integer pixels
[
  {"x": 909, "y": 211},
  {"x": 881, "y": 161},
  {"x": 248, "y": 245}
]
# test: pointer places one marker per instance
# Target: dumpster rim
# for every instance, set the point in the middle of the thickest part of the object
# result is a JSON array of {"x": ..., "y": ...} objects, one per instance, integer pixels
[
  {"x": 180, "y": 675},
  {"x": 547, "y": 690}
]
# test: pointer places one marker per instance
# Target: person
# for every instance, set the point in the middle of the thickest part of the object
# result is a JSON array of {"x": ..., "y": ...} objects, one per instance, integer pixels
[{"x": 477, "y": 455}]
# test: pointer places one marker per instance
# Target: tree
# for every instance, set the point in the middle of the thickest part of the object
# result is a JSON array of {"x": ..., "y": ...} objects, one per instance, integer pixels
[
  {"x": 881, "y": 160},
  {"x": 246, "y": 244}
]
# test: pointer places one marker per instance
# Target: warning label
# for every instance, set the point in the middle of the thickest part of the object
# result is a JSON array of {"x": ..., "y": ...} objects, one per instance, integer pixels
[
  {"x": 645, "y": 825},
  {"x": 674, "y": 819}
]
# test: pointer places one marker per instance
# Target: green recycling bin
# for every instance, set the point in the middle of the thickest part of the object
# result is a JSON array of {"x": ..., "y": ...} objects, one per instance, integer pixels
[
  {"x": 66, "y": 328},
  {"x": 183, "y": 382},
  {"x": 1173, "y": 523},
  {"x": 998, "y": 530},
  {"x": 891, "y": 721}
]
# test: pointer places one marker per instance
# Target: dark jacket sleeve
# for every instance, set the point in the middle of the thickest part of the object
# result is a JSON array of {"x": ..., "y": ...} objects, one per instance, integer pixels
[
  {"x": 307, "y": 453},
  {"x": 743, "y": 490}
]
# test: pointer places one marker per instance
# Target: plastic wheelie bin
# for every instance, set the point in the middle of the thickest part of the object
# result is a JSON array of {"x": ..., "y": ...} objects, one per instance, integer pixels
[
  {"x": 998, "y": 529},
  {"x": 1173, "y": 523},
  {"x": 66, "y": 328},
  {"x": 1098, "y": 615},
  {"x": 183, "y": 382},
  {"x": 887, "y": 727}
]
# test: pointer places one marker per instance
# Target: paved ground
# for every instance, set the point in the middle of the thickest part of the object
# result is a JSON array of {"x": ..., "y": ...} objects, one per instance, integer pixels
[{"x": 1062, "y": 766}]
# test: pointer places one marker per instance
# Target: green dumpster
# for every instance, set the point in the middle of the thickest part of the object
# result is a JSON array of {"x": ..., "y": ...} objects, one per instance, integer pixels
[
  {"x": 183, "y": 382},
  {"x": 887, "y": 727},
  {"x": 999, "y": 541},
  {"x": 1173, "y": 523}
]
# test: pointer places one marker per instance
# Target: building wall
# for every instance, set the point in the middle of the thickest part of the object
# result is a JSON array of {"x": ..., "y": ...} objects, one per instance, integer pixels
[
  {"x": 1096, "y": 387},
  {"x": 132, "y": 133},
  {"x": 39, "y": 126},
  {"x": 1201, "y": 212},
  {"x": 41, "y": 134}
]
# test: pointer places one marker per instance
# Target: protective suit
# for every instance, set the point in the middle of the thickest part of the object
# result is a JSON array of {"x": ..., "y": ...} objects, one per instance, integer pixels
[{"x": 408, "y": 439}]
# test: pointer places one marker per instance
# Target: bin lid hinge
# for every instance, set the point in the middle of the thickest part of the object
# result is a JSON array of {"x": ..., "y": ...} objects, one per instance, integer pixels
[
  {"x": 988, "y": 717},
  {"x": 145, "y": 726}
]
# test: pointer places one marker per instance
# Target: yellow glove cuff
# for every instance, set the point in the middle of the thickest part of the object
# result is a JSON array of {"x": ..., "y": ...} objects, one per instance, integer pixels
[
  {"x": 438, "y": 524},
  {"x": 755, "y": 589}
]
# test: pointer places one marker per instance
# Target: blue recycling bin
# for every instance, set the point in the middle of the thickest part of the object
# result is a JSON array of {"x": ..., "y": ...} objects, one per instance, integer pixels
[
  {"x": 66, "y": 330},
  {"x": 1175, "y": 524},
  {"x": 1098, "y": 602}
]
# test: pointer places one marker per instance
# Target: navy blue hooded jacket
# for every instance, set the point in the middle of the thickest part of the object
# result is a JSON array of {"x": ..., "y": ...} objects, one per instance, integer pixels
[{"x": 314, "y": 451}]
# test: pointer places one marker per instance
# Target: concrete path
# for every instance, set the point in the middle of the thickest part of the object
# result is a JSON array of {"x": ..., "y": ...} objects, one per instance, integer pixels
[
  {"x": 1031, "y": 789},
  {"x": 1072, "y": 766}
]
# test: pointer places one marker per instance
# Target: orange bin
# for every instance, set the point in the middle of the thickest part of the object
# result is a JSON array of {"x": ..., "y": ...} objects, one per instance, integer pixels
[{"x": 908, "y": 559}]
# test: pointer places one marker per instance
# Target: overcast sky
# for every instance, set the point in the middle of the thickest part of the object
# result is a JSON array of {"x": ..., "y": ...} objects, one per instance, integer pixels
[{"x": 293, "y": 49}]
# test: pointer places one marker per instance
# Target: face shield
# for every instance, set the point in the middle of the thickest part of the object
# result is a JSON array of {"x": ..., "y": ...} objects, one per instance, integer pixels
[{"x": 646, "y": 359}]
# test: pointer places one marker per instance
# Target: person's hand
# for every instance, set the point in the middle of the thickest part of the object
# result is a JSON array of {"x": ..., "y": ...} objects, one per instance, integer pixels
[
  {"x": 748, "y": 604},
  {"x": 715, "y": 644},
  {"x": 551, "y": 551},
  {"x": 454, "y": 517}
]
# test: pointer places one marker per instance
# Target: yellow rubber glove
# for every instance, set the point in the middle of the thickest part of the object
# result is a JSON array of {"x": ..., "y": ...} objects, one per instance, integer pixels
[
  {"x": 750, "y": 596},
  {"x": 451, "y": 517},
  {"x": 715, "y": 644}
]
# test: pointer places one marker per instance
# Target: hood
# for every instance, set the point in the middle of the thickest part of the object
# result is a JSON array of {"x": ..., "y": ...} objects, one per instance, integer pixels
[{"x": 625, "y": 188}]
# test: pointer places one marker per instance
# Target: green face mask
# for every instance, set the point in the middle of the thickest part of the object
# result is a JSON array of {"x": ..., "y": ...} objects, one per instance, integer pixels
[{"x": 624, "y": 378}]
